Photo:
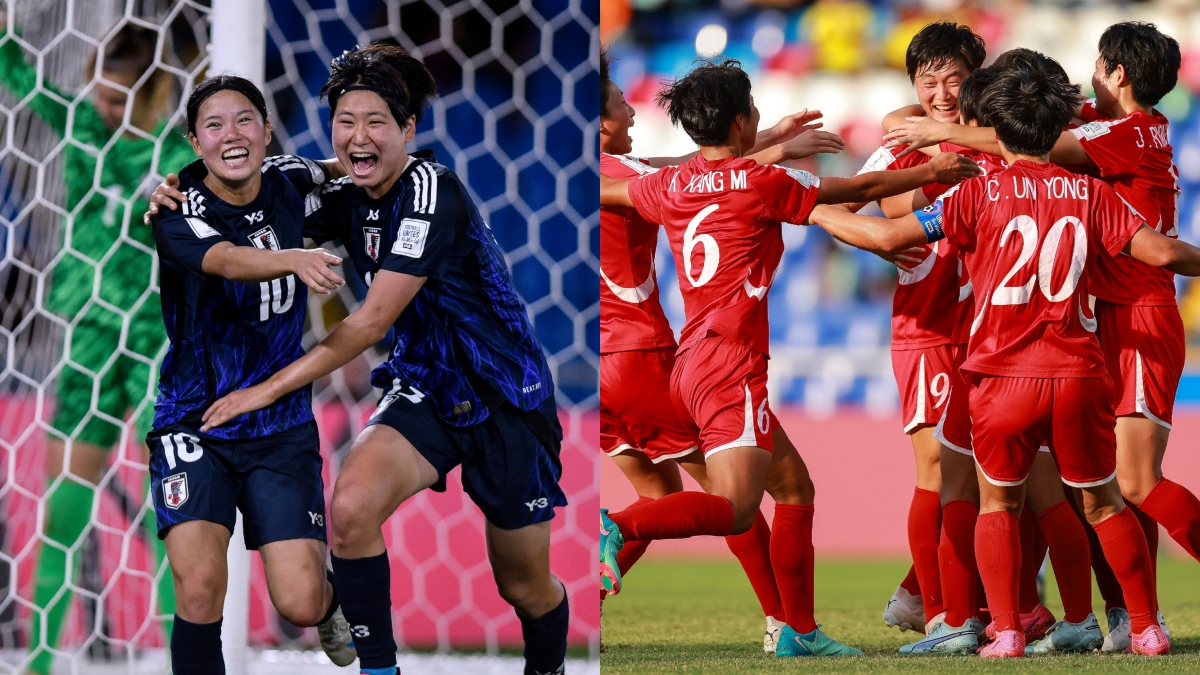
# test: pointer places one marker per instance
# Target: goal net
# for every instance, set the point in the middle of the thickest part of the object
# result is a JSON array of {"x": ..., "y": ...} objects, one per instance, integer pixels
[{"x": 515, "y": 118}]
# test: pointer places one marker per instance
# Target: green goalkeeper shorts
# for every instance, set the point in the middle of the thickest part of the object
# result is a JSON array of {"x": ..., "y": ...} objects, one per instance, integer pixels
[{"x": 127, "y": 373}]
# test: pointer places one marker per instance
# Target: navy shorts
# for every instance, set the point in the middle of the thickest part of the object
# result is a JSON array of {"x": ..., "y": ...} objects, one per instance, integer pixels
[
  {"x": 275, "y": 481},
  {"x": 510, "y": 464}
]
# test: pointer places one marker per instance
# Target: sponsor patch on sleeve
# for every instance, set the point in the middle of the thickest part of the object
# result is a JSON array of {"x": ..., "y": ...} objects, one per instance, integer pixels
[
  {"x": 410, "y": 238},
  {"x": 1093, "y": 130},
  {"x": 202, "y": 229}
]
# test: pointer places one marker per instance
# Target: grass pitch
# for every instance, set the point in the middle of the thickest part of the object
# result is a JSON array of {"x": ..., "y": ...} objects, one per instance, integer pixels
[{"x": 685, "y": 616}]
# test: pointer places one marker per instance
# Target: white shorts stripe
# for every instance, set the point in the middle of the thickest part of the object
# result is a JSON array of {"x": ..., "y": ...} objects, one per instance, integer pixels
[{"x": 1139, "y": 403}]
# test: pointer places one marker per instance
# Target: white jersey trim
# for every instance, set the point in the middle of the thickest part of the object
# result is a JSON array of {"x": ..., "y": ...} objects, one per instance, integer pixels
[
  {"x": 675, "y": 455},
  {"x": 1139, "y": 401},
  {"x": 1000, "y": 483},
  {"x": 619, "y": 449},
  {"x": 1093, "y": 483},
  {"x": 919, "y": 416}
]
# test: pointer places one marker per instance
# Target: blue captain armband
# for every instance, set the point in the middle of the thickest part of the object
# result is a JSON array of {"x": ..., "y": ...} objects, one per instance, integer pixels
[{"x": 930, "y": 218}]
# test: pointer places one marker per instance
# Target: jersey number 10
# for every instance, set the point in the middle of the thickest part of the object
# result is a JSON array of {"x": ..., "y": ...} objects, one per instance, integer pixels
[{"x": 273, "y": 297}]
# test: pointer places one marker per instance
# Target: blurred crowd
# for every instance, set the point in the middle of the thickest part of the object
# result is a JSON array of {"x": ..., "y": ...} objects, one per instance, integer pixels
[{"x": 831, "y": 304}]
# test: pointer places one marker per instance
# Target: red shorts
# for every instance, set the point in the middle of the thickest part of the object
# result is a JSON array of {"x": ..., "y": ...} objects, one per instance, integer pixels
[
  {"x": 923, "y": 377},
  {"x": 954, "y": 427},
  {"x": 1144, "y": 351},
  {"x": 636, "y": 413},
  {"x": 721, "y": 386},
  {"x": 1012, "y": 415}
]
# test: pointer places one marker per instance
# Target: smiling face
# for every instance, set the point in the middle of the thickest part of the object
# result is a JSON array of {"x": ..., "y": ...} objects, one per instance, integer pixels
[
  {"x": 369, "y": 142},
  {"x": 231, "y": 136},
  {"x": 937, "y": 91},
  {"x": 615, "y": 124}
]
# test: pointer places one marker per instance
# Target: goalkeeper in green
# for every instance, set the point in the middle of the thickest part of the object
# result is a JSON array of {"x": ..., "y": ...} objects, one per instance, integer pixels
[{"x": 106, "y": 375}]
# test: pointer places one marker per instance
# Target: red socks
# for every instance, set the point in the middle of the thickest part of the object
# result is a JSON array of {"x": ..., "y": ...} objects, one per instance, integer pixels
[
  {"x": 1179, "y": 511},
  {"x": 633, "y": 550},
  {"x": 924, "y": 523},
  {"x": 956, "y": 556},
  {"x": 998, "y": 551},
  {"x": 676, "y": 516},
  {"x": 1125, "y": 548},
  {"x": 1031, "y": 563},
  {"x": 792, "y": 559},
  {"x": 753, "y": 551},
  {"x": 1071, "y": 558},
  {"x": 910, "y": 582}
]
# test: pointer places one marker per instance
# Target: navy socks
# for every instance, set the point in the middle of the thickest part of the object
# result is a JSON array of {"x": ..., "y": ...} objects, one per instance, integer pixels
[
  {"x": 546, "y": 640},
  {"x": 196, "y": 648},
  {"x": 364, "y": 587}
]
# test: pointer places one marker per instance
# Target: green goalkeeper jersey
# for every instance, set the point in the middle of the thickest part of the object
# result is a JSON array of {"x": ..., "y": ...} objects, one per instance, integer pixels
[{"x": 102, "y": 174}]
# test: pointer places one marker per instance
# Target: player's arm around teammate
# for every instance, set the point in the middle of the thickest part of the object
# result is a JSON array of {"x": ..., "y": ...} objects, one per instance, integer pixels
[{"x": 234, "y": 314}]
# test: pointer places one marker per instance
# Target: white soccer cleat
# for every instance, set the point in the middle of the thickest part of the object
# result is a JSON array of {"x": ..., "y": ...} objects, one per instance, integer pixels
[
  {"x": 771, "y": 637},
  {"x": 336, "y": 640},
  {"x": 1162, "y": 622},
  {"x": 1119, "y": 629},
  {"x": 905, "y": 611}
]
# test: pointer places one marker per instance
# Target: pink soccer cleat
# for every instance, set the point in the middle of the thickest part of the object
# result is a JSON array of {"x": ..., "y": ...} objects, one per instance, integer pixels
[
  {"x": 1008, "y": 644},
  {"x": 1035, "y": 624},
  {"x": 1150, "y": 642}
]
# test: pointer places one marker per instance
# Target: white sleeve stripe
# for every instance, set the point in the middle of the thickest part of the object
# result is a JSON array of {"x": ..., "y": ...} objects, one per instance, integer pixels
[
  {"x": 417, "y": 179},
  {"x": 425, "y": 185},
  {"x": 433, "y": 180}
]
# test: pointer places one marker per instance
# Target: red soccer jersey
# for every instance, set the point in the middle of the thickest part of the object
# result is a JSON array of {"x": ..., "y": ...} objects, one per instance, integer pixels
[
  {"x": 631, "y": 316},
  {"x": 929, "y": 301},
  {"x": 1031, "y": 235},
  {"x": 724, "y": 221},
  {"x": 1133, "y": 155}
]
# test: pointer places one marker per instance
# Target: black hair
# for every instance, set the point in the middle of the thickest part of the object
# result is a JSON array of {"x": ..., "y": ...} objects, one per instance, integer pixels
[
  {"x": 969, "y": 93},
  {"x": 706, "y": 101},
  {"x": 218, "y": 83},
  {"x": 133, "y": 50},
  {"x": 605, "y": 82},
  {"x": 1029, "y": 59},
  {"x": 1029, "y": 108},
  {"x": 399, "y": 78},
  {"x": 1151, "y": 58},
  {"x": 941, "y": 44}
]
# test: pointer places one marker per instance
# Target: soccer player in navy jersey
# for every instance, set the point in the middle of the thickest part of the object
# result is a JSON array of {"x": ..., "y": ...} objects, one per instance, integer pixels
[
  {"x": 466, "y": 383},
  {"x": 230, "y": 258}
]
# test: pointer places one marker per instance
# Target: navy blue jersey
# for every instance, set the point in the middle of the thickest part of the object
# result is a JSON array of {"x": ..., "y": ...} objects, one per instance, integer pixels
[
  {"x": 465, "y": 340},
  {"x": 227, "y": 335}
]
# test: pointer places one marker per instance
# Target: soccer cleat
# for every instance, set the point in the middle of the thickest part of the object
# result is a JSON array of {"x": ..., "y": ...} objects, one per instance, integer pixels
[
  {"x": 336, "y": 639},
  {"x": 943, "y": 638},
  {"x": 1035, "y": 624},
  {"x": 904, "y": 610},
  {"x": 1163, "y": 622},
  {"x": 771, "y": 637},
  {"x": 1064, "y": 637},
  {"x": 1119, "y": 629},
  {"x": 1007, "y": 644},
  {"x": 1150, "y": 642},
  {"x": 611, "y": 543},
  {"x": 815, "y": 643}
]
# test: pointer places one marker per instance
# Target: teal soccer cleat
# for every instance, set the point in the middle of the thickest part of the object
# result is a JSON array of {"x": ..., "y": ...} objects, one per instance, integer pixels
[
  {"x": 611, "y": 543},
  {"x": 946, "y": 639},
  {"x": 815, "y": 643},
  {"x": 1064, "y": 637}
]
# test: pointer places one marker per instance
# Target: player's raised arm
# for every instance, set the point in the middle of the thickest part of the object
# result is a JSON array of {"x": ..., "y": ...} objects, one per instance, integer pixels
[
  {"x": 872, "y": 233},
  {"x": 614, "y": 192},
  {"x": 947, "y": 168},
  {"x": 922, "y": 132}
]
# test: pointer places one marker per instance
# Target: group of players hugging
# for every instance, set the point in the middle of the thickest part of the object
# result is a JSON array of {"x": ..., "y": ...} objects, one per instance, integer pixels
[
  {"x": 466, "y": 382},
  {"x": 1036, "y": 340}
]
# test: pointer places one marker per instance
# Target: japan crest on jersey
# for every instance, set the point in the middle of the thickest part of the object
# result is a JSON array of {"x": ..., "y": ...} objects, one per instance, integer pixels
[
  {"x": 265, "y": 238},
  {"x": 372, "y": 237},
  {"x": 175, "y": 490}
]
